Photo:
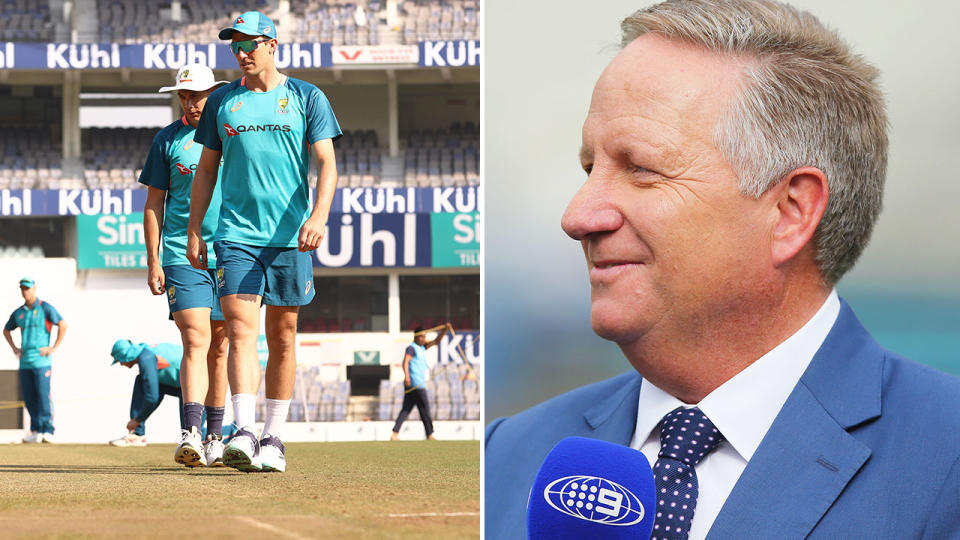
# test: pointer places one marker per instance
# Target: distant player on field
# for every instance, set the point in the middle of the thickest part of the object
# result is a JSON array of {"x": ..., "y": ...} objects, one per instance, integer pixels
[
  {"x": 191, "y": 293},
  {"x": 415, "y": 382},
  {"x": 265, "y": 126},
  {"x": 35, "y": 318}
]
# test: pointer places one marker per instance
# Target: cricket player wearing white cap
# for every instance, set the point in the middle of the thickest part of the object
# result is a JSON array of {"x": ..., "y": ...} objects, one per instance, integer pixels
[{"x": 191, "y": 293}]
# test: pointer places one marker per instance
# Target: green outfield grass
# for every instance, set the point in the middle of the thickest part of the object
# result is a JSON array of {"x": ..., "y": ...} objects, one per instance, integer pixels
[{"x": 417, "y": 489}]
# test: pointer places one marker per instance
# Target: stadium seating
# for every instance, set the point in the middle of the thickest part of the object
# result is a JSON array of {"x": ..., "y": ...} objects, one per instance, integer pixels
[
  {"x": 29, "y": 159},
  {"x": 359, "y": 161},
  {"x": 112, "y": 157},
  {"x": 121, "y": 21},
  {"x": 340, "y": 22},
  {"x": 445, "y": 157},
  {"x": 26, "y": 20},
  {"x": 433, "y": 20}
]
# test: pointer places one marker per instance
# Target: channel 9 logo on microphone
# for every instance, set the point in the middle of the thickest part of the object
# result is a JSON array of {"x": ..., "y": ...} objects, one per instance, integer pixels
[{"x": 594, "y": 499}]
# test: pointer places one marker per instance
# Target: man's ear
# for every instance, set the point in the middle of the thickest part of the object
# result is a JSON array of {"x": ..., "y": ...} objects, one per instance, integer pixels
[{"x": 801, "y": 200}]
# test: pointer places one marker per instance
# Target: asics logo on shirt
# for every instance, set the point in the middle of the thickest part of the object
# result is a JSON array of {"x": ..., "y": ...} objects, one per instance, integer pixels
[{"x": 236, "y": 107}]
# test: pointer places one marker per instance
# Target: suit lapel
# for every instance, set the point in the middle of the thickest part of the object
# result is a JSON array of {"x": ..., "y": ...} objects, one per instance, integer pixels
[
  {"x": 614, "y": 418},
  {"x": 808, "y": 456}
]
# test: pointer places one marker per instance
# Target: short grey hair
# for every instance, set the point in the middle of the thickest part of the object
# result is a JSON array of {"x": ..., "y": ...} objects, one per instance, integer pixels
[{"x": 806, "y": 100}]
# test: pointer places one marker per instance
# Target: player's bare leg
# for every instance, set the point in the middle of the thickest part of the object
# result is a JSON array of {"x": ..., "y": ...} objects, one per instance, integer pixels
[
  {"x": 216, "y": 393},
  {"x": 281, "y": 326},
  {"x": 194, "y": 325},
  {"x": 242, "y": 314},
  {"x": 281, "y": 322}
]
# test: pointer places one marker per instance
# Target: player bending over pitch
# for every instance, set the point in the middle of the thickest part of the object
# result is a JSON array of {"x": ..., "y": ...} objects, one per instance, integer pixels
[
  {"x": 191, "y": 293},
  {"x": 159, "y": 376}
]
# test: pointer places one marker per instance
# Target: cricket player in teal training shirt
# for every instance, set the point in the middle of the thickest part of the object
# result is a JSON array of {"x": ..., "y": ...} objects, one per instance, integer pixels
[
  {"x": 191, "y": 292},
  {"x": 35, "y": 318},
  {"x": 265, "y": 127}
]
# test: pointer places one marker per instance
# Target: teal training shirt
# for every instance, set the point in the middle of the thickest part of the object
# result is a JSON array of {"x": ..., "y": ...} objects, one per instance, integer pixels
[
  {"x": 170, "y": 166},
  {"x": 172, "y": 354},
  {"x": 265, "y": 138},
  {"x": 35, "y": 324},
  {"x": 418, "y": 365}
]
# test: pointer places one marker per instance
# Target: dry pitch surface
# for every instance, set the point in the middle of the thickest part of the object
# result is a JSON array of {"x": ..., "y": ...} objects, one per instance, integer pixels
[{"x": 417, "y": 489}]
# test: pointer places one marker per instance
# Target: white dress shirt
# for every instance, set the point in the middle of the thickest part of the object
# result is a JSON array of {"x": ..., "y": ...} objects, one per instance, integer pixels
[{"x": 743, "y": 408}]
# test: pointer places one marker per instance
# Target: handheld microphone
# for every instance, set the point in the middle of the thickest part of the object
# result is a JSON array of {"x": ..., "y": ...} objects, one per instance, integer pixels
[{"x": 592, "y": 489}]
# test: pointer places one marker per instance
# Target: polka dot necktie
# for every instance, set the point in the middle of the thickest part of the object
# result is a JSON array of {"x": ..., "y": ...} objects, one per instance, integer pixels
[{"x": 686, "y": 435}]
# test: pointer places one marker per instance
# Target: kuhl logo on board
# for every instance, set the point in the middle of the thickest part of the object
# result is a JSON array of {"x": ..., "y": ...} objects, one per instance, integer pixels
[
  {"x": 594, "y": 499},
  {"x": 449, "y": 53},
  {"x": 177, "y": 55}
]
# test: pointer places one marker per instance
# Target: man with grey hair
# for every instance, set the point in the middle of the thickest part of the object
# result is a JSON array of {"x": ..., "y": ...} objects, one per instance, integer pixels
[{"x": 735, "y": 154}]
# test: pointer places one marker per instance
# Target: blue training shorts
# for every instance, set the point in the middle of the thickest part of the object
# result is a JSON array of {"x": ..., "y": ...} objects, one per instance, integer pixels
[
  {"x": 282, "y": 276},
  {"x": 189, "y": 287}
]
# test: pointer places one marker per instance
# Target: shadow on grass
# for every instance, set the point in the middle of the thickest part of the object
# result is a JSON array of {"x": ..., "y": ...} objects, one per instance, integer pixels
[{"x": 108, "y": 469}]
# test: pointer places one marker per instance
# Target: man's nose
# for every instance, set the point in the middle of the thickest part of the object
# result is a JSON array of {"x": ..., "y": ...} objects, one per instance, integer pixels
[{"x": 592, "y": 210}]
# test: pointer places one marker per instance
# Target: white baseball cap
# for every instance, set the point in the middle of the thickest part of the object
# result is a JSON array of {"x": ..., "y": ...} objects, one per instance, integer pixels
[{"x": 197, "y": 77}]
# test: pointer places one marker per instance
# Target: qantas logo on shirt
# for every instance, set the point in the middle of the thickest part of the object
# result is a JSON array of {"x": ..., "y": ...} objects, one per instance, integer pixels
[
  {"x": 183, "y": 170},
  {"x": 255, "y": 127}
]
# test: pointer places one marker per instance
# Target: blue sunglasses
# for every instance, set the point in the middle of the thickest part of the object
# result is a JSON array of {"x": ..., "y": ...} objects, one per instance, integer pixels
[{"x": 245, "y": 46}]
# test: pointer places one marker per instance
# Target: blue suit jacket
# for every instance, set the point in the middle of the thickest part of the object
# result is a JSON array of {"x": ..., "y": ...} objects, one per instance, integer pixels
[{"x": 866, "y": 446}]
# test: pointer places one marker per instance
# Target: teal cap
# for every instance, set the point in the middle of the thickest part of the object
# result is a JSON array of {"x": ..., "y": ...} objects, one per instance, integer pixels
[
  {"x": 27, "y": 282},
  {"x": 252, "y": 23},
  {"x": 119, "y": 351}
]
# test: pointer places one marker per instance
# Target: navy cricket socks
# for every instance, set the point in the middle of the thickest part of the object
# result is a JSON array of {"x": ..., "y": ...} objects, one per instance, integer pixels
[
  {"x": 214, "y": 420},
  {"x": 193, "y": 414}
]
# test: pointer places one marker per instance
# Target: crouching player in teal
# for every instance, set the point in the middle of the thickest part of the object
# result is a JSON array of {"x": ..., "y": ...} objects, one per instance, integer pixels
[
  {"x": 265, "y": 127},
  {"x": 159, "y": 376},
  {"x": 191, "y": 293}
]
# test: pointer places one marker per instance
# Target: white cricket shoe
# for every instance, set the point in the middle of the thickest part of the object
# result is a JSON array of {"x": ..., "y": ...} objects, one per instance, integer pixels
[
  {"x": 32, "y": 438},
  {"x": 213, "y": 451},
  {"x": 243, "y": 452},
  {"x": 272, "y": 457},
  {"x": 190, "y": 450},
  {"x": 47, "y": 438},
  {"x": 130, "y": 439}
]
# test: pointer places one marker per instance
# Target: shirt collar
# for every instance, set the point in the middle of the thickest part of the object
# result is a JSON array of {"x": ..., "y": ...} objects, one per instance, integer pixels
[{"x": 744, "y": 407}]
